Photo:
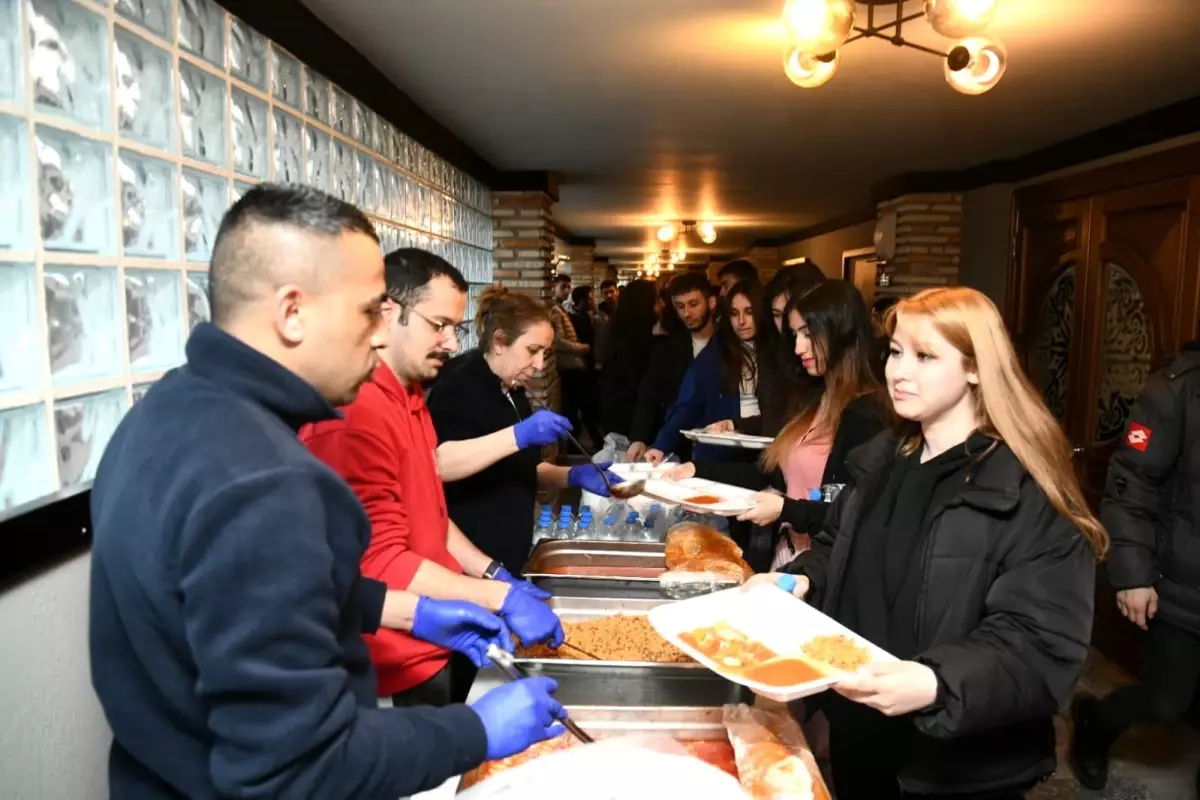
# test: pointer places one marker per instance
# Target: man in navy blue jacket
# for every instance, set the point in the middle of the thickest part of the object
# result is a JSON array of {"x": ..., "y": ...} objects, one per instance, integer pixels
[{"x": 227, "y": 607}]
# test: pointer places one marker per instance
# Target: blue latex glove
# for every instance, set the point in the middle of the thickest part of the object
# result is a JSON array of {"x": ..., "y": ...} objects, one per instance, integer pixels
[
  {"x": 460, "y": 626},
  {"x": 587, "y": 477},
  {"x": 531, "y": 619},
  {"x": 541, "y": 428},
  {"x": 518, "y": 715},
  {"x": 536, "y": 592}
]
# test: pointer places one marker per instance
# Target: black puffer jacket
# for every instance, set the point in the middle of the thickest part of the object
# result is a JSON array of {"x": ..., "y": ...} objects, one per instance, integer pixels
[
  {"x": 1004, "y": 618},
  {"x": 1152, "y": 500}
]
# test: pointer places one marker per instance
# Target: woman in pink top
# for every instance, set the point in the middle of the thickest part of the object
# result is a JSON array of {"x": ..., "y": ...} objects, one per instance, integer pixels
[{"x": 840, "y": 406}]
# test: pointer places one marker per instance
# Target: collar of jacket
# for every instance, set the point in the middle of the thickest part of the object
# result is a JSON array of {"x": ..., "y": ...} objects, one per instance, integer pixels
[
  {"x": 225, "y": 360},
  {"x": 995, "y": 482},
  {"x": 1186, "y": 360}
]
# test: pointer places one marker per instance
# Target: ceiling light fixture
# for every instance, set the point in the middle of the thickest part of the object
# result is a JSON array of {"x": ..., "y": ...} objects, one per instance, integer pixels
[
  {"x": 705, "y": 231},
  {"x": 817, "y": 28}
]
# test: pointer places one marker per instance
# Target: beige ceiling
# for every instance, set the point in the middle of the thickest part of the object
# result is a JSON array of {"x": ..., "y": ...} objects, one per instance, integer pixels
[{"x": 656, "y": 110}]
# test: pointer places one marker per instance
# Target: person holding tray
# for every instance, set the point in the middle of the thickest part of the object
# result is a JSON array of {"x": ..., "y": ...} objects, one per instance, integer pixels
[
  {"x": 490, "y": 439},
  {"x": 965, "y": 548},
  {"x": 838, "y": 406},
  {"x": 721, "y": 384}
]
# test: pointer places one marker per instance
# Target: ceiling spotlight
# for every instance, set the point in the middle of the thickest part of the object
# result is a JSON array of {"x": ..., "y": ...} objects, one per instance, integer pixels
[
  {"x": 666, "y": 233},
  {"x": 976, "y": 65},
  {"x": 652, "y": 258},
  {"x": 807, "y": 71},
  {"x": 707, "y": 232},
  {"x": 957, "y": 19},
  {"x": 819, "y": 26},
  {"x": 678, "y": 255}
]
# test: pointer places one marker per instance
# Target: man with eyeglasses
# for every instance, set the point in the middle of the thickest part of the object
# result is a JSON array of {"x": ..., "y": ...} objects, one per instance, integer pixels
[{"x": 384, "y": 447}]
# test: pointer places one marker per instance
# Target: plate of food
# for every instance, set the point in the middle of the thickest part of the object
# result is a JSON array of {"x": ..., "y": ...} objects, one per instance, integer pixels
[
  {"x": 728, "y": 439},
  {"x": 702, "y": 496},
  {"x": 766, "y": 639}
]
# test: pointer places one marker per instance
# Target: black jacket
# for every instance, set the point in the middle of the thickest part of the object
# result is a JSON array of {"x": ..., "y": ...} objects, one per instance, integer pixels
[
  {"x": 625, "y": 366},
  {"x": 861, "y": 421},
  {"x": 660, "y": 386},
  {"x": 1004, "y": 618},
  {"x": 227, "y": 607},
  {"x": 1151, "y": 502},
  {"x": 493, "y": 507}
]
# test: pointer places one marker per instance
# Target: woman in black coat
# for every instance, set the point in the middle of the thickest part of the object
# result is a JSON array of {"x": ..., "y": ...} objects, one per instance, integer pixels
[
  {"x": 964, "y": 547},
  {"x": 490, "y": 438}
]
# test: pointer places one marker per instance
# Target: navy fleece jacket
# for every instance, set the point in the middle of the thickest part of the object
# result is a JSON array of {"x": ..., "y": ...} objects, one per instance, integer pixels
[{"x": 227, "y": 605}]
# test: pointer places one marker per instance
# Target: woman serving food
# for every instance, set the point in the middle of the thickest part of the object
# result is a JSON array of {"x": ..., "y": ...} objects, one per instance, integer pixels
[{"x": 490, "y": 438}]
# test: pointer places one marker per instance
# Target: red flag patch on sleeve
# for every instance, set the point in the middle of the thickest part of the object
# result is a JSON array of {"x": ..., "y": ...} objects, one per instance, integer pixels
[{"x": 1138, "y": 437}]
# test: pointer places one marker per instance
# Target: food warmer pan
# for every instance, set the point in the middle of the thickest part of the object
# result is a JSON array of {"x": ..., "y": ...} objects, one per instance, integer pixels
[
  {"x": 628, "y": 683},
  {"x": 598, "y": 569}
]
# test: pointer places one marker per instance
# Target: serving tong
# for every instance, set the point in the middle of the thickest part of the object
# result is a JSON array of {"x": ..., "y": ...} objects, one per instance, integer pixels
[{"x": 506, "y": 664}]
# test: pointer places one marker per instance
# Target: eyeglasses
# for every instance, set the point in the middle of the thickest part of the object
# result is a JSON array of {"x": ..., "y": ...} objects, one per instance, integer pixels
[{"x": 445, "y": 329}]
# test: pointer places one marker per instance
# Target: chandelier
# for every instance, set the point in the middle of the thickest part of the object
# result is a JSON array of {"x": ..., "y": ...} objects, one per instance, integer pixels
[
  {"x": 818, "y": 29},
  {"x": 655, "y": 263}
]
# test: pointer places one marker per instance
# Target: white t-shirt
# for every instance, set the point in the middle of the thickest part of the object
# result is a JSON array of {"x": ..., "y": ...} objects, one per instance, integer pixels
[{"x": 698, "y": 345}]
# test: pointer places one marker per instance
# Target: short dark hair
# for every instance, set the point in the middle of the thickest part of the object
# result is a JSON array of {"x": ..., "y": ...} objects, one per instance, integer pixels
[
  {"x": 607, "y": 283},
  {"x": 689, "y": 282},
  {"x": 562, "y": 277},
  {"x": 741, "y": 269},
  {"x": 580, "y": 293},
  {"x": 242, "y": 262},
  {"x": 409, "y": 270}
]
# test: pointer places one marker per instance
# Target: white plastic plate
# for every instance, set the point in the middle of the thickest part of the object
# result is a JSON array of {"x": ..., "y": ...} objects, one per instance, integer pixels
[
  {"x": 743, "y": 440},
  {"x": 769, "y": 615},
  {"x": 734, "y": 500},
  {"x": 640, "y": 470}
]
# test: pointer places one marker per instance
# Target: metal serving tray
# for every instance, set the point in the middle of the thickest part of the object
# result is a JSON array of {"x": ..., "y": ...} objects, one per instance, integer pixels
[
  {"x": 682, "y": 723},
  {"x": 626, "y": 561},
  {"x": 628, "y": 683},
  {"x": 590, "y": 553}
]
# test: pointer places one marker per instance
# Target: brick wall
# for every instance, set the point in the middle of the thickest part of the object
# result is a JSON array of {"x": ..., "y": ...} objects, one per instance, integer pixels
[
  {"x": 523, "y": 236},
  {"x": 582, "y": 266},
  {"x": 928, "y": 242}
]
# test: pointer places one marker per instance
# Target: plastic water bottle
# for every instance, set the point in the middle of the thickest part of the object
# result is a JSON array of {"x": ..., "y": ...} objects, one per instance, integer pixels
[
  {"x": 545, "y": 526},
  {"x": 662, "y": 522},
  {"x": 566, "y": 524},
  {"x": 631, "y": 531},
  {"x": 609, "y": 530},
  {"x": 583, "y": 529}
]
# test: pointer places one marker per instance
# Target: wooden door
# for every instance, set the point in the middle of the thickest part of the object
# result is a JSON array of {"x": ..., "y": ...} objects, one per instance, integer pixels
[{"x": 1108, "y": 292}]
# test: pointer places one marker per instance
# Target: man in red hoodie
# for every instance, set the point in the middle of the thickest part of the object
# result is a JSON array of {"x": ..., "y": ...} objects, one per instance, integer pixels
[{"x": 384, "y": 447}]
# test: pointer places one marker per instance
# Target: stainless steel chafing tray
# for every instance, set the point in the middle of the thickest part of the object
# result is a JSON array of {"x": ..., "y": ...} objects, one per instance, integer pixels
[
  {"x": 682, "y": 723},
  {"x": 628, "y": 683},
  {"x": 626, "y": 569}
]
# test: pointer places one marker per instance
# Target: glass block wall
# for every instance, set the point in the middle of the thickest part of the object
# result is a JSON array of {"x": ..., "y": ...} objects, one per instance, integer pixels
[{"x": 127, "y": 127}]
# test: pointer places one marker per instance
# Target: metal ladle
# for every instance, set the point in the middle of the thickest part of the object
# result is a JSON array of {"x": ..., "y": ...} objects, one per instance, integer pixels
[{"x": 623, "y": 490}]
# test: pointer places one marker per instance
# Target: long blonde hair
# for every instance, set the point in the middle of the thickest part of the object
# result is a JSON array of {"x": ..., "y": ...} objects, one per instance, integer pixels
[{"x": 1006, "y": 403}]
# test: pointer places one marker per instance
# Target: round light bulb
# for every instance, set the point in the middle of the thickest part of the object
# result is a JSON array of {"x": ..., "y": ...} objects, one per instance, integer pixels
[
  {"x": 652, "y": 258},
  {"x": 666, "y": 233},
  {"x": 986, "y": 59},
  {"x": 707, "y": 231},
  {"x": 808, "y": 71},
  {"x": 957, "y": 19},
  {"x": 819, "y": 26}
]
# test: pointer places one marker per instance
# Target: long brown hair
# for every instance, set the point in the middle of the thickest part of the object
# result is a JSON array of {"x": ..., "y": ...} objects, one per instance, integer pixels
[
  {"x": 739, "y": 361},
  {"x": 506, "y": 313},
  {"x": 1007, "y": 405},
  {"x": 840, "y": 328}
]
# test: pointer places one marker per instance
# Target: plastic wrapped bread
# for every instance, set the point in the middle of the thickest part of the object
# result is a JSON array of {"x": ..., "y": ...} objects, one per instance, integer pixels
[
  {"x": 692, "y": 547},
  {"x": 774, "y": 760}
]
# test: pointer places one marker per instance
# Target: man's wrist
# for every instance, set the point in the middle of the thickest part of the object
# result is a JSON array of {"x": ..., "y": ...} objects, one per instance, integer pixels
[
  {"x": 494, "y": 593},
  {"x": 399, "y": 610}
]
